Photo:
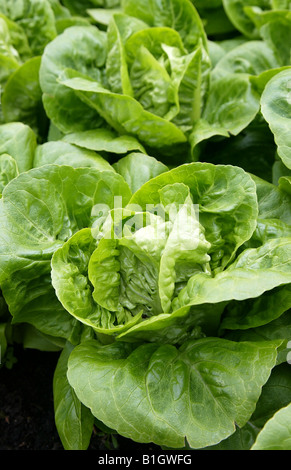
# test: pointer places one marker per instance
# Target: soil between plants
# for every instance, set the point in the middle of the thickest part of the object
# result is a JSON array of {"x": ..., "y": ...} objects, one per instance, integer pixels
[{"x": 27, "y": 409}]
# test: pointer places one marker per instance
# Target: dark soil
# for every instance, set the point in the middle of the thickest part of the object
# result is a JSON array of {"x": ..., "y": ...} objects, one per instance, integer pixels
[{"x": 27, "y": 410}]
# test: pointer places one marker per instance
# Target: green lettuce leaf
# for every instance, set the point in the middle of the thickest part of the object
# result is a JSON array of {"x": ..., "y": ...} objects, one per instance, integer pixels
[
  {"x": 19, "y": 141},
  {"x": 235, "y": 10},
  {"x": 275, "y": 29},
  {"x": 8, "y": 170},
  {"x": 276, "y": 433},
  {"x": 104, "y": 140},
  {"x": 37, "y": 19},
  {"x": 74, "y": 421},
  {"x": 254, "y": 272},
  {"x": 232, "y": 104},
  {"x": 40, "y": 210},
  {"x": 61, "y": 104},
  {"x": 22, "y": 98},
  {"x": 63, "y": 153},
  {"x": 257, "y": 312},
  {"x": 138, "y": 168},
  {"x": 276, "y": 329},
  {"x": 251, "y": 57},
  {"x": 142, "y": 258},
  {"x": 276, "y": 109},
  {"x": 180, "y": 15},
  {"x": 161, "y": 394},
  {"x": 123, "y": 113}
]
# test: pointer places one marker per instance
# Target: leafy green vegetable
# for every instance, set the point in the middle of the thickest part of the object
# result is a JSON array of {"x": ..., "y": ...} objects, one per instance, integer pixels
[
  {"x": 145, "y": 215},
  {"x": 80, "y": 6},
  {"x": 63, "y": 153},
  {"x": 144, "y": 260},
  {"x": 19, "y": 141},
  {"x": 137, "y": 169},
  {"x": 74, "y": 421},
  {"x": 37, "y": 19},
  {"x": 235, "y": 10},
  {"x": 61, "y": 105},
  {"x": 168, "y": 386},
  {"x": 276, "y": 108},
  {"x": 276, "y": 433},
  {"x": 22, "y": 98},
  {"x": 104, "y": 140},
  {"x": 40, "y": 210},
  {"x": 133, "y": 118}
]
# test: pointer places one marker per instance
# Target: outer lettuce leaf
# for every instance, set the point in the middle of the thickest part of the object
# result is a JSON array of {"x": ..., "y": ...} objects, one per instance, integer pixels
[
  {"x": 138, "y": 168},
  {"x": 165, "y": 395},
  {"x": 74, "y": 421},
  {"x": 254, "y": 272},
  {"x": 37, "y": 19},
  {"x": 280, "y": 328},
  {"x": 274, "y": 202},
  {"x": 65, "y": 23},
  {"x": 103, "y": 16},
  {"x": 275, "y": 395},
  {"x": 39, "y": 211},
  {"x": 19, "y": 141},
  {"x": 257, "y": 312},
  {"x": 235, "y": 10},
  {"x": 242, "y": 439},
  {"x": 232, "y": 104},
  {"x": 280, "y": 171},
  {"x": 123, "y": 112},
  {"x": 8, "y": 66},
  {"x": 260, "y": 81},
  {"x": 61, "y": 104},
  {"x": 216, "y": 22},
  {"x": 210, "y": 3},
  {"x": 63, "y": 153},
  {"x": 280, "y": 4},
  {"x": 104, "y": 140},
  {"x": 276, "y": 108},
  {"x": 253, "y": 149},
  {"x": 120, "y": 28},
  {"x": 238, "y": 103},
  {"x": 8, "y": 170},
  {"x": 276, "y": 433},
  {"x": 18, "y": 38},
  {"x": 251, "y": 57},
  {"x": 275, "y": 29},
  {"x": 22, "y": 98},
  {"x": 179, "y": 15}
]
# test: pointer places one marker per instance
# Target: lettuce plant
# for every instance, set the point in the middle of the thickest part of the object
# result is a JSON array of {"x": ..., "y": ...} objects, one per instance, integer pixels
[
  {"x": 154, "y": 87},
  {"x": 145, "y": 214},
  {"x": 158, "y": 279}
]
